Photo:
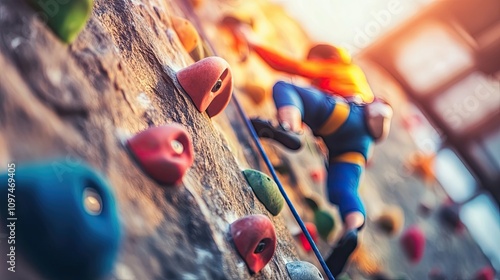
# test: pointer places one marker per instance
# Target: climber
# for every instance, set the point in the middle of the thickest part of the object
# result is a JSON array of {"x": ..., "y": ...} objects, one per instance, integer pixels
[{"x": 342, "y": 110}]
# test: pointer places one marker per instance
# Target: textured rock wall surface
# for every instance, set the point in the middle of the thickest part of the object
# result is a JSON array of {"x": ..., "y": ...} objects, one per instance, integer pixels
[{"x": 78, "y": 102}]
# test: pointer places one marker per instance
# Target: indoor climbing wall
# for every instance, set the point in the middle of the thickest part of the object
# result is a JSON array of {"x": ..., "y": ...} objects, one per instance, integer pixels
[
  {"x": 124, "y": 164},
  {"x": 128, "y": 159}
]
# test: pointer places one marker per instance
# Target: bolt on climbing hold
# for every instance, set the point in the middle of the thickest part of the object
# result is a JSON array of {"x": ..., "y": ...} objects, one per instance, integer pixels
[
  {"x": 413, "y": 243},
  {"x": 67, "y": 223},
  {"x": 300, "y": 270},
  {"x": 255, "y": 240},
  {"x": 65, "y": 19},
  {"x": 313, "y": 231},
  {"x": 266, "y": 190},
  {"x": 189, "y": 37},
  {"x": 209, "y": 84},
  {"x": 165, "y": 153},
  {"x": 324, "y": 222}
]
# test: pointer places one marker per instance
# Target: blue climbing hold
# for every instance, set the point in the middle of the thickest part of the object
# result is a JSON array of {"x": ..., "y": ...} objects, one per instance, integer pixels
[{"x": 67, "y": 223}]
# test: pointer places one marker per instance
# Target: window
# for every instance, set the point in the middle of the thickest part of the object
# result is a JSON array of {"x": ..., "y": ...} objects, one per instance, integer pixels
[
  {"x": 454, "y": 176},
  {"x": 468, "y": 102},
  {"x": 433, "y": 55},
  {"x": 482, "y": 218}
]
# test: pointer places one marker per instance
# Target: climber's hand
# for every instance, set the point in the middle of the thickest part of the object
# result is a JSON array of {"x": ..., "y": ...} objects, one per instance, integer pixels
[{"x": 290, "y": 118}]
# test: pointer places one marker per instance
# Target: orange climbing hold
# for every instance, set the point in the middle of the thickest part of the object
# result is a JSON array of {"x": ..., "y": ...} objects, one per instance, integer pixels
[
  {"x": 255, "y": 240},
  {"x": 189, "y": 37},
  {"x": 165, "y": 153},
  {"x": 209, "y": 83},
  {"x": 255, "y": 91},
  {"x": 422, "y": 165},
  {"x": 413, "y": 242},
  {"x": 391, "y": 220}
]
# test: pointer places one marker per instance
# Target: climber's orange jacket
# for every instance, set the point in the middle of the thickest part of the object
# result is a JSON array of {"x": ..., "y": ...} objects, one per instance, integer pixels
[{"x": 336, "y": 77}]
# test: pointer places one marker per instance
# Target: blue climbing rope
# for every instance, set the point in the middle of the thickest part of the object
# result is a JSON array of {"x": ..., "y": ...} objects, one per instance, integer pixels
[
  {"x": 282, "y": 190},
  {"x": 187, "y": 10}
]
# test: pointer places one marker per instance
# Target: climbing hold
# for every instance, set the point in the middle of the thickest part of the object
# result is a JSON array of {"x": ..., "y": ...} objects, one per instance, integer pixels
[
  {"x": 266, "y": 190},
  {"x": 255, "y": 240},
  {"x": 436, "y": 274},
  {"x": 255, "y": 91},
  {"x": 232, "y": 23},
  {"x": 413, "y": 242},
  {"x": 67, "y": 223},
  {"x": 318, "y": 176},
  {"x": 311, "y": 228},
  {"x": 343, "y": 276},
  {"x": 165, "y": 153},
  {"x": 425, "y": 208},
  {"x": 196, "y": 3},
  {"x": 486, "y": 273},
  {"x": 391, "y": 220},
  {"x": 300, "y": 270},
  {"x": 324, "y": 223},
  {"x": 422, "y": 165},
  {"x": 236, "y": 19},
  {"x": 189, "y": 37},
  {"x": 65, "y": 19},
  {"x": 209, "y": 83},
  {"x": 449, "y": 215}
]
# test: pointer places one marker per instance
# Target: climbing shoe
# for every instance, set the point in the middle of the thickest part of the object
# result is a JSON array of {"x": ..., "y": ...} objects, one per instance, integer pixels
[
  {"x": 265, "y": 129},
  {"x": 340, "y": 254}
]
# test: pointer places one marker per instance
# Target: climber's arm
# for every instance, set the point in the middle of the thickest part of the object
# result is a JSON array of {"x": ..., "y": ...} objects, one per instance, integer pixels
[
  {"x": 277, "y": 60},
  {"x": 306, "y": 68}
]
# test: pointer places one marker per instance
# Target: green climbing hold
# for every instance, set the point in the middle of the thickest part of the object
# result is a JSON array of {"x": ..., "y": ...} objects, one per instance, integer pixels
[
  {"x": 324, "y": 223},
  {"x": 343, "y": 276},
  {"x": 266, "y": 190},
  {"x": 66, "y": 18}
]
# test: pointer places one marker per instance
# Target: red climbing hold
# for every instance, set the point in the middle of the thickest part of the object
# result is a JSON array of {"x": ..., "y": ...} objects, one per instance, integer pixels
[
  {"x": 164, "y": 153},
  {"x": 255, "y": 240},
  {"x": 209, "y": 83},
  {"x": 413, "y": 242},
  {"x": 311, "y": 228},
  {"x": 486, "y": 273},
  {"x": 318, "y": 176}
]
